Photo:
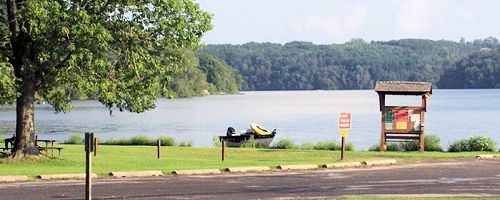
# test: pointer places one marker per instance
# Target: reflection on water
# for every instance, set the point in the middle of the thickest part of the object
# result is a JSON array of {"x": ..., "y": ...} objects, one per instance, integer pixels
[{"x": 303, "y": 116}]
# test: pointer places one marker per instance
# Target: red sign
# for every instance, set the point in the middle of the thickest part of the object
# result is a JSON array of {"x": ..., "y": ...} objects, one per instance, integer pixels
[
  {"x": 344, "y": 120},
  {"x": 401, "y": 116}
]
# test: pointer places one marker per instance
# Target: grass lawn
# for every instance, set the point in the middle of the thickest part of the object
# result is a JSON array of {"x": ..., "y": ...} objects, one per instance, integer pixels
[{"x": 137, "y": 158}]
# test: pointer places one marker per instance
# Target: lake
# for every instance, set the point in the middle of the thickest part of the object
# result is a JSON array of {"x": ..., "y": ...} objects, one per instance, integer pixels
[{"x": 302, "y": 116}]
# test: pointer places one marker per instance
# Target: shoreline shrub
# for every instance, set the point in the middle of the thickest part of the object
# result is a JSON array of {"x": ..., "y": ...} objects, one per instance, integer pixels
[
  {"x": 140, "y": 140},
  {"x": 473, "y": 143},
  {"x": 432, "y": 143},
  {"x": 74, "y": 138}
]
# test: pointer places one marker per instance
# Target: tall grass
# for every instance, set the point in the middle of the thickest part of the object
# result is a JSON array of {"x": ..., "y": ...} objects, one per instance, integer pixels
[
  {"x": 216, "y": 141},
  {"x": 332, "y": 146},
  {"x": 306, "y": 146},
  {"x": 285, "y": 144},
  {"x": 185, "y": 144},
  {"x": 141, "y": 140},
  {"x": 250, "y": 143},
  {"x": 325, "y": 145}
]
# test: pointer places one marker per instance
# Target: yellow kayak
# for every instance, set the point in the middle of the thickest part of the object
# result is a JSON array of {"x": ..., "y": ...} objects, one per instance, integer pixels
[{"x": 259, "y": 130}]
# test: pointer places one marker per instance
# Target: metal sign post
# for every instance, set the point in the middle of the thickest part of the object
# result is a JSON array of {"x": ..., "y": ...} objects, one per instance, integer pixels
[
  {"x": 344, "y": 125},
  {"x": 89, "y": 147}
]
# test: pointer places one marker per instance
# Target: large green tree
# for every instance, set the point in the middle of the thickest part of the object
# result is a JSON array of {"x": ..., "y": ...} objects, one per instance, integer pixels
[{"x": 123, "y": 52}]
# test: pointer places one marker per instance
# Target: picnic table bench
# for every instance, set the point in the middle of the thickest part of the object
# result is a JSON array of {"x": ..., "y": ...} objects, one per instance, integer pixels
[{"x": 46, "y": 147}]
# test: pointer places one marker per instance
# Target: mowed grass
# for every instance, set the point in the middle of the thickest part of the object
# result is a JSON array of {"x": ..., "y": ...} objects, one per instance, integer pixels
[{"x": 138, "y": 158}]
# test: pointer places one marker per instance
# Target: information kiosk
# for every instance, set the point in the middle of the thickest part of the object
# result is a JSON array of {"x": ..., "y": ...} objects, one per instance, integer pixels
[{"x": 402, "y": 123}]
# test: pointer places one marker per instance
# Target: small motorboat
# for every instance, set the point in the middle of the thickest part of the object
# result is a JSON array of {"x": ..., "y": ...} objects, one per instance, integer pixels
[{"x": 261, "y": 136}]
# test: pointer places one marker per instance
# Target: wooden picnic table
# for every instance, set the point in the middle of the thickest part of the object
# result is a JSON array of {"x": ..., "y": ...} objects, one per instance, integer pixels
[{"x": 45, "y": 148}]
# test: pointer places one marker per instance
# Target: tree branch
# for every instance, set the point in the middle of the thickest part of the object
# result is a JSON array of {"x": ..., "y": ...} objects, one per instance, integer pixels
[
  {"x": 60, "y": 64},
  {"x": 11, "y": 18},
  {"x": 103, "y": 7}
]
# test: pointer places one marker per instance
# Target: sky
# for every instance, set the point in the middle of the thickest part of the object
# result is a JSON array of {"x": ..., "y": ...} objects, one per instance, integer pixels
[{"x": 338, "y": 21}]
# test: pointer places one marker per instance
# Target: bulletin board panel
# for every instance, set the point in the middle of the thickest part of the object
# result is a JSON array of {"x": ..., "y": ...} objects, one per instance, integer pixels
[{"x": 402, "y": 119}]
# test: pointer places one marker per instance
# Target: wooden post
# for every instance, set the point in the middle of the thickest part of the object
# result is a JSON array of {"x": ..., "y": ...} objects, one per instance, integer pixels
[
  {"x": 342, "y": 155},
  {"x": 89, "y": 139},
  {"x": 223, "y": 150},
  {"x": 383, "y": 144},
  {"x": 158, "y": 145},
  {"x": 422, "y": 124},
  {"x": 95, "y": 146}
]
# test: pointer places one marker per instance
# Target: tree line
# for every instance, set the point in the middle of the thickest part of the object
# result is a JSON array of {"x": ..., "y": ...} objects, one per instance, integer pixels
[{"x": 358, "y": 64}]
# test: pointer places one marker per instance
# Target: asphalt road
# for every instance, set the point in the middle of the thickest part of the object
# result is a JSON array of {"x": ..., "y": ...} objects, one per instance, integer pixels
[{"x": 452, "y": 178}]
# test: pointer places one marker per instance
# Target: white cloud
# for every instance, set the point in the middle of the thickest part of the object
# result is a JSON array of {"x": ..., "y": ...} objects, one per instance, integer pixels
[
  {"x": 356, "y": 19},
  {"x": 332, "y": 27},
  {"x": 414, "y": 17},
  {"x": 338, "y": 21}
]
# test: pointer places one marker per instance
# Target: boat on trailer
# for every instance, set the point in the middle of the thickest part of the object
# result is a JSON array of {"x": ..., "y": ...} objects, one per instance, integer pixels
[{"x": 257, "y": 133}]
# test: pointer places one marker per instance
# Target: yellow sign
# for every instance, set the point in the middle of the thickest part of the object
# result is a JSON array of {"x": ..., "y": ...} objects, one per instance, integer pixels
[
  {"x": 401, "y": 125},
  {"x": 344, "y": 132}
]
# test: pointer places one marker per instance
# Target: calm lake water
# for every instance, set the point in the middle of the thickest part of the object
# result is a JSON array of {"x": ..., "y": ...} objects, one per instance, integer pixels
[{"x": 303, "y": 116}]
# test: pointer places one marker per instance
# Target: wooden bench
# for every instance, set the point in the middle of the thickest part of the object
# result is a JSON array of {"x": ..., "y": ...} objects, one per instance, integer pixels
[
  {"x": 397, "y": 137},
  {"x": 50, "y": 148}
]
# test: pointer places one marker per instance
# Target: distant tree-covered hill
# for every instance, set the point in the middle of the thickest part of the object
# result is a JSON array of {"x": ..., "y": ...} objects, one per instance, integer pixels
[
  {"x": 354, "y": 65},
  {"x": 479, "y": 70}
]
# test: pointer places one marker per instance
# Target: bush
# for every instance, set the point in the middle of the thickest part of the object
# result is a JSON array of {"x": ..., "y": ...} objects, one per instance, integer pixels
[
  {"x": 166, "y": 141},
  {"x": 185, "y": 144},
  {"x": 474, "y": 143},
  {"x": 74, "y": 138},
  {"x": 458, "y": 146},
  {"x": 481, "y": 143},
  {"x": 285, "y": 144},
  {"x": 1, "y": 137},
  {"x": 432, "y": 143}
]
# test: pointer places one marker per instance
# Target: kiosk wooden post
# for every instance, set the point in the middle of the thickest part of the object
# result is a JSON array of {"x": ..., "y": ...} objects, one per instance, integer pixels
[{"x": 402, "y": 123}]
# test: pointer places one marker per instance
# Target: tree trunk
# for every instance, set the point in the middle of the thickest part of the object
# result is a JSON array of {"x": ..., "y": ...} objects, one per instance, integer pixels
[{"x": 24, "y": 146}]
